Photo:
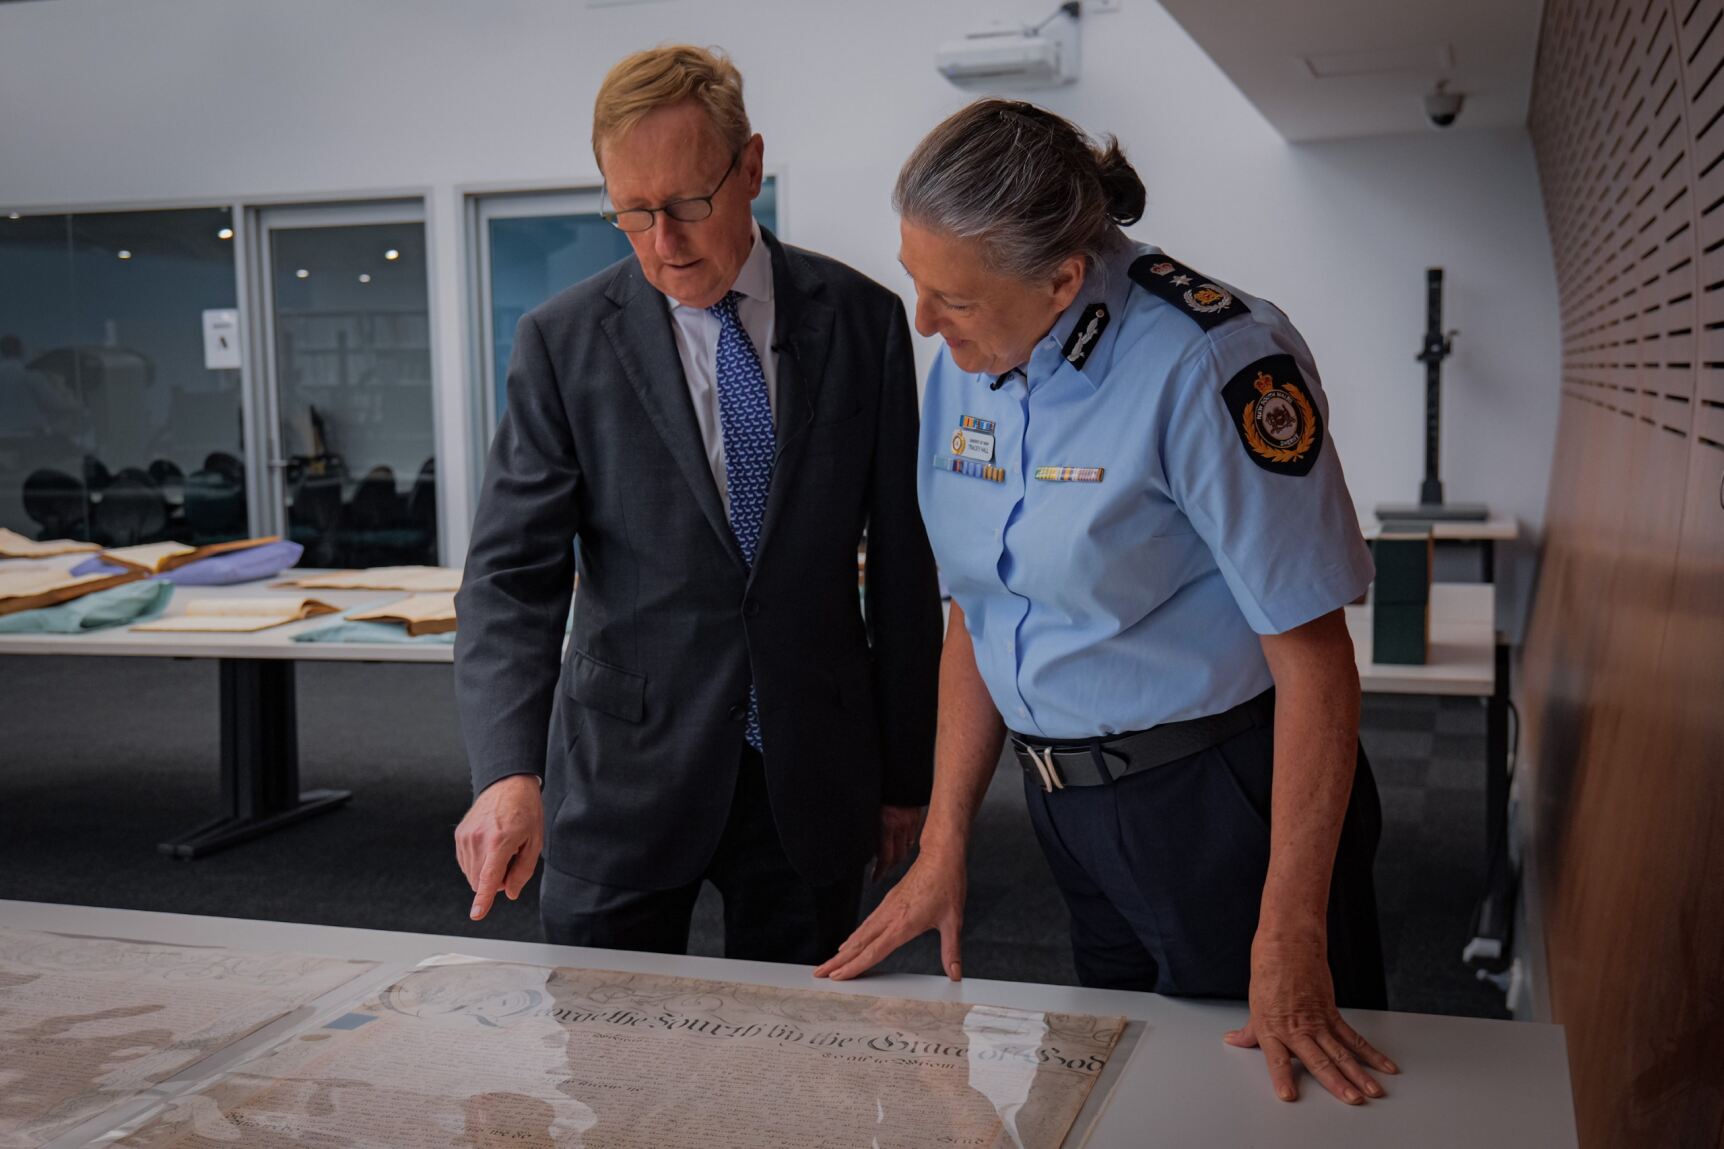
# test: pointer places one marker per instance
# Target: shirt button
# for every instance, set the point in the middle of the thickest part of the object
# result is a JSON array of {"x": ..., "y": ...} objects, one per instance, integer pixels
[{"x": 751, "y": 608}]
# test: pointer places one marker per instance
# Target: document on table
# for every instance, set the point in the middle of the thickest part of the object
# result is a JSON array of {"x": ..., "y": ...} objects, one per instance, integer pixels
[
  {"x": 422, "y": 580},
  {"x": 16, "y": 546},
  {"x": 237, "y": 615},
  {"x": 86, "y": 1022},
  {"x": 34, "y": 587},
  {"x": 467, "y": 1052},
  {"x": 422, "y": 613},
  {"x": 158, "y": 558}
]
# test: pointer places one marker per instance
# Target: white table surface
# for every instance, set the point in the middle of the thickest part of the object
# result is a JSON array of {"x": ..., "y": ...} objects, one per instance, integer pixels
[
  {"x": 1173, "y": 1082},
  {"x": 1461, "y": 658},
  {"x": 1496, "y": 529}
]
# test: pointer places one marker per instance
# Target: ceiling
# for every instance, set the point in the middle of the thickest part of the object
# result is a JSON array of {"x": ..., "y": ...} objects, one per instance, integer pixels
[{"x": 1334, "y": 69}]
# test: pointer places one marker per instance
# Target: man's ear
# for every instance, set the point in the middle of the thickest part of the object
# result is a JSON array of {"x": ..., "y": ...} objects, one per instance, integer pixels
[{"x": 754, "y": 163}]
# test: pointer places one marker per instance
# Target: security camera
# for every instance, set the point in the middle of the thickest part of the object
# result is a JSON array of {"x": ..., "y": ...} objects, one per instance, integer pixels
[{"x": 1443, "y": 107}]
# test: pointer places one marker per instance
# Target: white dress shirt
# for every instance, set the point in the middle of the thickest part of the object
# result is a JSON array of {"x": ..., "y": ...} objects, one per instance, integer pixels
[{"x": 696, "y": 332}]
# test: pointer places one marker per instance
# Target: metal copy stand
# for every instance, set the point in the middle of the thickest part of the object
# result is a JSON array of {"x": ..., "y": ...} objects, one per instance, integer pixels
[{"x": 1438, "y": 346}]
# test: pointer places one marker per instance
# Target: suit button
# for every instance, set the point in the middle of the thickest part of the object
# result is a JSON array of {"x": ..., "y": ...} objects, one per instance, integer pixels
[
  {"x": 751, "y": 608},
  {"x": 739, "y": 712}
]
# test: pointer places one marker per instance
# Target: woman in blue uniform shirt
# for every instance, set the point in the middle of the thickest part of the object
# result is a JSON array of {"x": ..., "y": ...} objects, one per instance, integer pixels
[{"x": 1129, "y": 486}]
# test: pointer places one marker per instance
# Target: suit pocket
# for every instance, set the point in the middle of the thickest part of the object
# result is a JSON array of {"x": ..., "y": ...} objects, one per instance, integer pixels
[
  {"x": 849, "y": 414},
  {"x": 606, "y": 688}
]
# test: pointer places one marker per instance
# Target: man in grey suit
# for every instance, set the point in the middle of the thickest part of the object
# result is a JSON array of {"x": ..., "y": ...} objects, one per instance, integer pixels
[{"x": 712, "y": 424}]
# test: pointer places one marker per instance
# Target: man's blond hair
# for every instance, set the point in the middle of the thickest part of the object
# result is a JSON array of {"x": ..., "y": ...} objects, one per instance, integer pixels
[{"x": 671, "y": 74}]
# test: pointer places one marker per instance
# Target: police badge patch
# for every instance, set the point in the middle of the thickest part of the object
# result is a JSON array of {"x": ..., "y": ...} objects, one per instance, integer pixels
[{"x": 1277, "y": 422}]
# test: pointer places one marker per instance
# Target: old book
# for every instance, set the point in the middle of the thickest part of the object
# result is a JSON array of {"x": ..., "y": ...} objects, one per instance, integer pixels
[
  {"x": 422, "y": 613},
  {"x": 34, "y": 587},
  {"x": 420, "y": 580},
  {"x": 1401, "y": 633},
  {"x": 15, "y": 546},
  {"x": 1403, "y": 560},
  {"x": 237, "y": 615},
  {"x": 158, "y": 558}
]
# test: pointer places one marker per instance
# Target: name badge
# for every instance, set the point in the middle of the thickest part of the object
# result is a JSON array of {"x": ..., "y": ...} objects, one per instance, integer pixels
[
  {"x": 973, "y": 445},
  {"x": 971, "y": 468},
  {"x": 1069, "y": 474}
]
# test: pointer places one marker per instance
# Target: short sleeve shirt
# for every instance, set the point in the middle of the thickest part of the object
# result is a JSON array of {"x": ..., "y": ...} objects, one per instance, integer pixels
[{"x": 1124, "y": 516}]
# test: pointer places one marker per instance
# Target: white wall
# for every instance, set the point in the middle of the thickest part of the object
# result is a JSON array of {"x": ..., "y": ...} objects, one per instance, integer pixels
[{"x": 187, "y": 100}]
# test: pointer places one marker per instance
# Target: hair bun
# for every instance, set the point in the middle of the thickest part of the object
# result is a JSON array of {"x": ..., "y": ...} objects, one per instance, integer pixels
[{"x": 1120, "y": 185}]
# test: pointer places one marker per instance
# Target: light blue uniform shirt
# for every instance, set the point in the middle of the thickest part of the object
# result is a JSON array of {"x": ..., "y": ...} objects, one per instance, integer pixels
[{"x": 1097, "y": 608}]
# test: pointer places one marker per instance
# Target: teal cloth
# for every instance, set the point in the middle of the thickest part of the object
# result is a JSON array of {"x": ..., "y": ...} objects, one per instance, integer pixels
[
  {"x": 370, "y": 632},
  {"x": 117, "y": 606}
]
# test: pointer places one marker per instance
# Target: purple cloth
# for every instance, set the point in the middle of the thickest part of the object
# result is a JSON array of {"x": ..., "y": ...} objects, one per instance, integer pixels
[{"x": 225, "y": 569}]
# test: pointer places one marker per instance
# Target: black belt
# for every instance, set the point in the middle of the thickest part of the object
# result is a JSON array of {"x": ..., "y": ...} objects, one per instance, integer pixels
[{"x": 1103, "y": 761}]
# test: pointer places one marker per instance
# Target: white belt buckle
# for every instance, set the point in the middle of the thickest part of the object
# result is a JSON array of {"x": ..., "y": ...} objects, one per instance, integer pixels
[{"x": 1050, "y": 772}]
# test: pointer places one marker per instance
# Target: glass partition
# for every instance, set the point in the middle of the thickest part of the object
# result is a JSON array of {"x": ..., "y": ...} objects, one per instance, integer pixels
[
  {"x": 120, "y": 386},
  {"x": 351, "y": 371}
]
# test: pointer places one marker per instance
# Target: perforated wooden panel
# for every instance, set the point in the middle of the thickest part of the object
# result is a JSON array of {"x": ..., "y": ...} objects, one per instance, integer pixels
[{"x": 1623, "y": 675}]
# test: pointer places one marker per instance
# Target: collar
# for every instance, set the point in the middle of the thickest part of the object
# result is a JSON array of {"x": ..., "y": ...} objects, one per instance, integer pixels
[
  {"x": 1108, "y": 284},
  {"x": 755, "y": 278}
]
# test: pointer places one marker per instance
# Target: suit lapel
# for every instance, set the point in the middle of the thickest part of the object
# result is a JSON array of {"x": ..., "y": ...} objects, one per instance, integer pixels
[
  {"x": 640, "y": 334},
  {"x": 802, "y": 333}
]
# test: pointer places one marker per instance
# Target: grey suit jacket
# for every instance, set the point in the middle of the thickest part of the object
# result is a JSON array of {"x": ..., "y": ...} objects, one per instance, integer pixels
[{"x": 638, "y": 732}]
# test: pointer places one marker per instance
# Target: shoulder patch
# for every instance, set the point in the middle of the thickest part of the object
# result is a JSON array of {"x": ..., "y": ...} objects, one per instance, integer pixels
[
  {"x": 1278, "y": 423},
  {"x": 1207, "y": 304},
  {"x": 1084, "y": 336}
]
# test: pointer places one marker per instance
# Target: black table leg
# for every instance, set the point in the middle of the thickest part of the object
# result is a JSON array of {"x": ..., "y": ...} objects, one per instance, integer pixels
[
  {"x": 259, "y": 760},
  {"x": 1489, "y": 950}
]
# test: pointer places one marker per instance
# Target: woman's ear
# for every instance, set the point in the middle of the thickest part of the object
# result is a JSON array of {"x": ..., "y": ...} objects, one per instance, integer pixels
[{"x": 1068, "y": 280}]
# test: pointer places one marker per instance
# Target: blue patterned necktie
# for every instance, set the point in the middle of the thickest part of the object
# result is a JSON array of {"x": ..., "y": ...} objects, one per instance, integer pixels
[{"x": 745, "y": 417}]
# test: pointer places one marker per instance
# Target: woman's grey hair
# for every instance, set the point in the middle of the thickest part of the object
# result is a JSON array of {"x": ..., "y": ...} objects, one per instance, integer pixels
[{"x": 1030, "y": 186}]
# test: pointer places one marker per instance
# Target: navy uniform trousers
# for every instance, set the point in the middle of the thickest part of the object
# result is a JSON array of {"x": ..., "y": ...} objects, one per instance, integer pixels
[{"x": 1163, "y": 872}]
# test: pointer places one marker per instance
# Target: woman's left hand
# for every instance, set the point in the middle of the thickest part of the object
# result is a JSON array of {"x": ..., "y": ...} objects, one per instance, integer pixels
[{"x": 1293, "y": 1015}]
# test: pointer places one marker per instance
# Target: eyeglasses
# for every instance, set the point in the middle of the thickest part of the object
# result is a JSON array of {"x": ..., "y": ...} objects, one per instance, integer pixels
[{"x": 691, "y": 210}]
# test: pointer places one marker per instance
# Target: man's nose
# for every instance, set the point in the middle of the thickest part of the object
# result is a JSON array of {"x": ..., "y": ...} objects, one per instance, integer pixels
[{"x": 667, "y": 237}]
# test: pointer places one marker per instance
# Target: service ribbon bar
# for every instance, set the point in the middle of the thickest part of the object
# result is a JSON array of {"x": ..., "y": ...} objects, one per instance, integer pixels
[
  {"x": 1069, "y": 474},
  {"x": 972, "y": 468}
]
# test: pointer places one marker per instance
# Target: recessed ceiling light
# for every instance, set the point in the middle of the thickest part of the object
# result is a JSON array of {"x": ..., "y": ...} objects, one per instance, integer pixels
[
  {"x": 302, "y": 273},
  {"x": 124, "y": 254},
  {"x": 225, "y": 233},
  {"x": 392, "y": 254},
  {"x": 13, "y": 215},
  {"x": 364, "y": 278}
]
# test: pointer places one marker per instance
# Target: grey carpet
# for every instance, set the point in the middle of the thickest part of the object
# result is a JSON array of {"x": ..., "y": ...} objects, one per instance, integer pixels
[{"x": 101, "y": 758}]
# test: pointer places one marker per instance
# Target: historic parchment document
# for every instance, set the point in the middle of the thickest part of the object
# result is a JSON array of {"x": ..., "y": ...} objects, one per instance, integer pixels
[
  {"x": 498, "y": 1054},
  {"x": 421, "y": 580},
  {"x": 86, "y": 1022},
  {"x": 422, "y": 613},
  {"x": 237, "y": 615},
  {"x": 16, "y": 546}
]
